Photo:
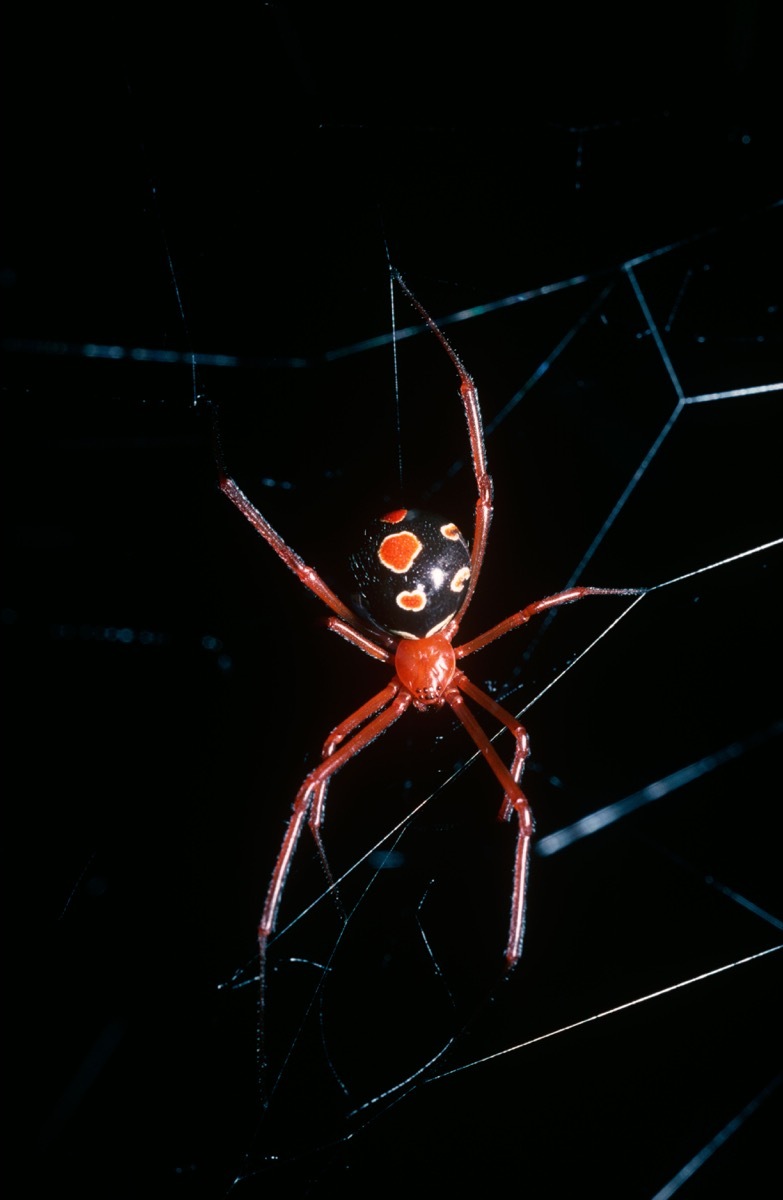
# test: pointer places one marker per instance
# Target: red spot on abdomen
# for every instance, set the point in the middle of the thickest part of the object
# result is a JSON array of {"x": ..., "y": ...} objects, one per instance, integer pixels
[
  {"x": 399, "y": 550},
  {"x": 394, "y": 518},
  {"x": 412, "y": 601}
]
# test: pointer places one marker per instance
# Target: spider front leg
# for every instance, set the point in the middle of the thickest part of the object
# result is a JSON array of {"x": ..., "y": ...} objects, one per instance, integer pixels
[
  {"x": 304, "y": 573},
  {"x": 470, "y": 401}
]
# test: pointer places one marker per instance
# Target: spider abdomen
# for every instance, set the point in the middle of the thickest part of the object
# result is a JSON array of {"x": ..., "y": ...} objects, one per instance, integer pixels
[{"x": 413, "y": 571}]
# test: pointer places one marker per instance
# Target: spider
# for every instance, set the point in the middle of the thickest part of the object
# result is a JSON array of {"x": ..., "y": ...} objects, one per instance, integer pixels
[{"x": 417, "y": 577}]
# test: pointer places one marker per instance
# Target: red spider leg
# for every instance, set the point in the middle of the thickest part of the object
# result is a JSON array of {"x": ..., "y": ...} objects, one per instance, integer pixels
[
  {"x": 514, "y": 798},
  {"x": 483, "y": 515},
  {"x": 306, "y": 575},
  {"x": 341, "y": 731},
  {"x": 336, "y": 737},
  {"x": 524, "y": 615},
  {"x": 362, "y": 640},
  {"x": 484, "y": 484},
  {"x": 304, "y": 799},
  {"x": 518, "y": 731}
]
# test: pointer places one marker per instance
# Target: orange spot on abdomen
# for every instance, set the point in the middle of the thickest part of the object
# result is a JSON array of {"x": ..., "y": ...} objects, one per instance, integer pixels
[
  {"x": 412, "y": 601},
  {"x": 398, "y": 551}
]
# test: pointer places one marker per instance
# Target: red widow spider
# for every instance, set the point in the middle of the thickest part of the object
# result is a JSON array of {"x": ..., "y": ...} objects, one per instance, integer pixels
[{"x": 417, "y": 578}]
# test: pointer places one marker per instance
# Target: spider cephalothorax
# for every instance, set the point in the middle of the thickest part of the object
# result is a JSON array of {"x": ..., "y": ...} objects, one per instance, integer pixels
[{"x": 417, "y": 578}]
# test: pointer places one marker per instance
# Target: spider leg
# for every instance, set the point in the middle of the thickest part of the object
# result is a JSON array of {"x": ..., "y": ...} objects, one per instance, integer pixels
[
  {"x": 470, "y": 400},
  {"x": 335, "y": 739},
  {"x": 306, "y": 575},
  {"x": 522, "y": 746},
  {"x": 357, "y": 638},
  {"x": 341, "y": 731},
  {"x": 318, "y": 778},
  {"x": 483, "y": 514},
  {"x": 514, "y": 800},
  {"x": 524, "y": 615}
]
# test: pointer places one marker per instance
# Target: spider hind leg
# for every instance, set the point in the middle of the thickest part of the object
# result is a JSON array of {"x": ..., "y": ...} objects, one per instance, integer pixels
[
  {"x": 514, "y": 799},
  {"x": 383, "y": 710}
]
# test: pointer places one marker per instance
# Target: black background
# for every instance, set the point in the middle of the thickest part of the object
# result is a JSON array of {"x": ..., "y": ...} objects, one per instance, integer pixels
[{"x": 168, "y": 684}]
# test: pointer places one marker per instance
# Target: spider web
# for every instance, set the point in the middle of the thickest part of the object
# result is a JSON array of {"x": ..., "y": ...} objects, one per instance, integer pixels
[{"x": 607, "y": 264}]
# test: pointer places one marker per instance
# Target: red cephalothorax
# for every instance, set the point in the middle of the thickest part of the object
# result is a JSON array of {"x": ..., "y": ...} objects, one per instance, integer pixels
[
  {"x": 425, "y": 668},
  {"x": 417, "y": 577}
]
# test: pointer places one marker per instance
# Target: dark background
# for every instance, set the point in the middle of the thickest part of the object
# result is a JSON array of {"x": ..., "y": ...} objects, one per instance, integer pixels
[{"x": 227, "y": 189}]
